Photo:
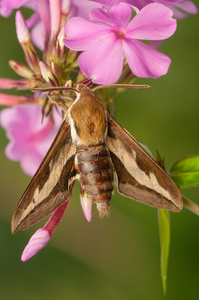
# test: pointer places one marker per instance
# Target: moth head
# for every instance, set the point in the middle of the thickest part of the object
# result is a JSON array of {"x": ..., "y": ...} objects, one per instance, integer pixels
[{"x": 62, "y": 96}]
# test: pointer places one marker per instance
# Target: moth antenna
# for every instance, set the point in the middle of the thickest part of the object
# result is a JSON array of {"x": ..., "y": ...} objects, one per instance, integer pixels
[
  {"x": 56, "y": 88},
  {"x": 123, "y": 86}
]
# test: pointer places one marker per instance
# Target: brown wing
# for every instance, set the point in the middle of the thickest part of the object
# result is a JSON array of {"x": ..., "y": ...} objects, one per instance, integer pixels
[
  {"x": 139, "y": 176},
  {"x": 49, "y": 187}
]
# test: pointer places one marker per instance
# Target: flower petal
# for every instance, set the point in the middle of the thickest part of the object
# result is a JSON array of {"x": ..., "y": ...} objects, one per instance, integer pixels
[
  {"x": 139, "y": 3},
  {"x": 119, "y": 15},
  {"x": 6, "y": 99},
  {"x": 83, "y": 7},
  {"x": 13, "y": 4},
  {"x": 153, "y": 22},
  {"x": 5, "y": 11},
  {"x": 169, "y": 2},
  {"x": 29, "y": 138},
  {"x": 38, "y": 35},
  {"x": 184, "y": 9},
  {"x": 32, "y": 20},
  {"x": 44, "y": 12},
  {"x": 30, "y": 161},
  {"x": 104, "y": 61},
  {"x": 145, "y": 61},
  {"x": 188, "y": 7},
  {"x": 122, "y": 13},
  {"x": 81, "y": 33},
  {"x": 108, "y": 2},
  {"x": 101, "y": 15}
]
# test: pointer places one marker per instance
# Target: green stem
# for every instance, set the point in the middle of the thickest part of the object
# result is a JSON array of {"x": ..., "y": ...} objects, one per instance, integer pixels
[{"x": 193, "y": 207}]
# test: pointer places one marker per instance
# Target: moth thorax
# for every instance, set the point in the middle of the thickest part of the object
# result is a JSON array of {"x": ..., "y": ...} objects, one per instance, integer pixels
[{"x": 96, "y": 175}]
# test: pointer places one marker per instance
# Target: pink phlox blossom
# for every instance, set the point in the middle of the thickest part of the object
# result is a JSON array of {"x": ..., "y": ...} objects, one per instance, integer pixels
[
  {"x": 184, "y": 9},
  {"x": 138, "y": 3},
  {"x": 9, "y": 100},
  {"x": 7, "y": 6},
  {"x": 180, "y": 8},
  {"x": 40, "y": 22},
  {"x": 30, "y": 138},
  {"x": 111, "y": 35},
  {"x": 83, "y": 8},
  {"x": 42, "y": 236}
]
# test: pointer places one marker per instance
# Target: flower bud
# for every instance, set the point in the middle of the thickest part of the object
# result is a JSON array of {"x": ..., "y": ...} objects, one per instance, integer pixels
[
  {"x": 21, "y": 69},
  {"x": 48, "y": 76},
  {"x": 60, "y": 49},
  {"x": 24, "y": 38},
  {"x": 22, "y": 30},
  {"x": 38, "y": 241}
]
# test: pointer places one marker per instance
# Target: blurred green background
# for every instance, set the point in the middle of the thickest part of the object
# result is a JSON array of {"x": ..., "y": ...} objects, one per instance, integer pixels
[{"x": 119, "y": 256}]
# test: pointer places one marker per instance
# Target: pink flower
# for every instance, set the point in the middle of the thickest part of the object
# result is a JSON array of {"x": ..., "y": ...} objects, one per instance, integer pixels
[
  {"x": 84, "y": 7},
  {"x": 8, "y": 100},
  {"x": 180, "y": 8},
  {"x": 138, "y": 3},
  {"x": 7, "y": 6},
  {"x": 45, "y": 19},
  {"x": 108, "y": 36},
  {"x": 29, "y": 137},
  {"x": 41, "y": 237},
  {"x": 184, "y": 9},
  {"x": 38, "y": 241}
]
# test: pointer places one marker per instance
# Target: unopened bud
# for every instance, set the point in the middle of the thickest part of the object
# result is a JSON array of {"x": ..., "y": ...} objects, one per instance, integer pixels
[
  {"x": 38, "y": 241},
  {"x": 65, "y": 6},
  {"x": 22, "y": 30},
  {"x": 48, "y": 76},
  {"x": 24, "y": 38},
  {"x": 21, "y": 69},
  {"x": 56, "y": 70},
  {"x": 55, "y": 13},
  {"x": 60, "y": 47}
]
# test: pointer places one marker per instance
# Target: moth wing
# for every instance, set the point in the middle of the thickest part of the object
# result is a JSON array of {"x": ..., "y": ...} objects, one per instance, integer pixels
[
  {"x": 139, "y": 176},
  {"x": 48, "y": 188}
]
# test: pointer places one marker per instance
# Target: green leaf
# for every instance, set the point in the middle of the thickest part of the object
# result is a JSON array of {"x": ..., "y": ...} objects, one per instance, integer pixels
[
  {"x": 185, "y": 172},
  {"x": 164, "y": 230}
]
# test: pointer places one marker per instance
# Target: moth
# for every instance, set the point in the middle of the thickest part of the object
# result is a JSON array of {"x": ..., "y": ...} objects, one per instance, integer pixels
[{"x": 91, "y": 147}]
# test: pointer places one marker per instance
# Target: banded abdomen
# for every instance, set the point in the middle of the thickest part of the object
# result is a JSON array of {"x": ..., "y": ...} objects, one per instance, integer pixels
[{"x": 96, "y": 175}]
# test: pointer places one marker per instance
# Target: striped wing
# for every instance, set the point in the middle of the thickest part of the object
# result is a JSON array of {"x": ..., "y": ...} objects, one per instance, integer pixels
[
  {"x": 48, "y": 188},
  {"x": 139, "y": 176}
]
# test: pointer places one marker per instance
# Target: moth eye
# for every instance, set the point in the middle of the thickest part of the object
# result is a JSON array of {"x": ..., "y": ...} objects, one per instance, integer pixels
[{"x": 33, "y": 200}]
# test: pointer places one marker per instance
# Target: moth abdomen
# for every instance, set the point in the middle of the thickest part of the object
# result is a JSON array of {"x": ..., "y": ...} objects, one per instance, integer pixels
[{"x": 96, "y": 175}]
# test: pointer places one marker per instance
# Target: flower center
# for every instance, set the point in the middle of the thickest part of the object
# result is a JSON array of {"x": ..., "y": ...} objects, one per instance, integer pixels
[{"x": 119, "y": 34}]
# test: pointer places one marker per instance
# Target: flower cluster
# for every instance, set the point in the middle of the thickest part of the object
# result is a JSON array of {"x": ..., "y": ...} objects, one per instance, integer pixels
[{"x": 106, "y": 41}]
